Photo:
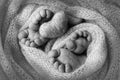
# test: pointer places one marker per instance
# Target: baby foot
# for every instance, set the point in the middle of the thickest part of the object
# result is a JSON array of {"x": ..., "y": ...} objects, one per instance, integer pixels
[
  {"x": 67, "y": 59},
  {"x": 59, "y": 60},
  {"x": 39, "y": 17},
  {"x": 78, "y": 42},
  {"x": 56, "y": 27},
  {"x": 30, "y": 36}
]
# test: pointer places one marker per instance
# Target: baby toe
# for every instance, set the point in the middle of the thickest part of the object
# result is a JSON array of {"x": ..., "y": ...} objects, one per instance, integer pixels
[
  {"x": 76, "y": 35},
  {"x": 22, "y": 34},
  {"x": 53, "y": 53},
  {"x": 52, "y": 60},
  {"x": 89, "y": 38},
  {"x": 62, "y": 68},
  {"x": 38, "y": 42},
  {"x": 34, "y": 27},
  {"x": 70, "y": 45},
  {"x": 85, "y": 34},
  {"x": 27, "y": 43},
  {"x": 43, "y": 13},
  {"x": 32, "y": 44},
  {"x": 23, "y": 40},
  {"x": 49, "y": 14},
  {"x": 68, "y": 68},
  {"x": 56, "y": 65}
]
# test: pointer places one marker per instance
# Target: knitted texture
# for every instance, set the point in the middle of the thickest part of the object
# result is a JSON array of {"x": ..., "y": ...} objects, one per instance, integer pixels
[{"x": 19, "y": 62}]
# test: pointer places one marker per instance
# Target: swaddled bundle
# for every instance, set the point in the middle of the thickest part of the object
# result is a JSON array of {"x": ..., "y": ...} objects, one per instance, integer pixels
[{"x": 80, "y": 49}]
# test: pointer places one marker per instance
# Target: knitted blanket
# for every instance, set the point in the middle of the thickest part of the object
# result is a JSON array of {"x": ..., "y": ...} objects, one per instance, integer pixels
[{"x": 20, "y": 62}]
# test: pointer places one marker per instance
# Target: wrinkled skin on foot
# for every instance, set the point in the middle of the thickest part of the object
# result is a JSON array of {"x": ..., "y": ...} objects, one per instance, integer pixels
[
  {"x": 56, "y": 27},
  {"x": 20, "y": 61}
]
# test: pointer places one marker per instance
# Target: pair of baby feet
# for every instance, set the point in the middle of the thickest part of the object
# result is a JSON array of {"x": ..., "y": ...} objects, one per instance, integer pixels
[
  {"x": 68, "y": 57},
  {"x": 43, "y": 25}
]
